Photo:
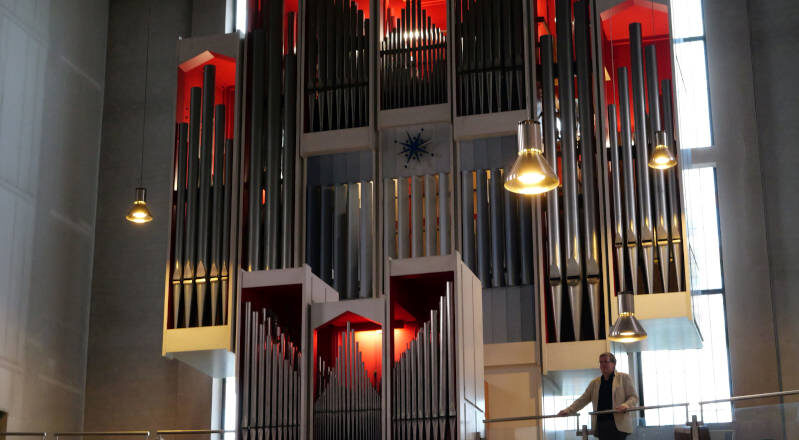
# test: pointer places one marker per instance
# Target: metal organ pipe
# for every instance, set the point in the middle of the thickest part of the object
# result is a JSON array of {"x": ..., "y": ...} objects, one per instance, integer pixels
[
  {"x": 497, "y": 234},
  {"x": 661, "y": 212},
  {"x": 204, "y": 261},
  {"x": 467, "y": 207},
  {"x": 402, "y": 218},
  {"x": 615, "y": 181},
  {"x": 216, "y": 223},
  {"x": 642, "y": 153},
  {"x": 675, "y": 219},
  {"x": 443, "y": 213},
  {"x": 192, "y": 199},
  {"x": 289, "y": 152},
  {"x": 416, "y": 216},
  {"x": 353, "y": 232},
  {"x": 180, "y": 218},
  {"x": 554, "y": 272},
  {"x": 256, "y": 142},
  {"x": 570, "y": 210},
  {"x": 483, "y": 249},
  {"x": 590, "y": 229},
  {"x": 631, "y": 225},
  {"x": 430, "y": 217},
  {"x": 365, "y": 263}
]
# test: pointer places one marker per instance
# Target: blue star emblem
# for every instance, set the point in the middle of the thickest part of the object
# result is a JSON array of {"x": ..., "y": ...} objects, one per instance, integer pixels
[{"x": 414, "y": 147}]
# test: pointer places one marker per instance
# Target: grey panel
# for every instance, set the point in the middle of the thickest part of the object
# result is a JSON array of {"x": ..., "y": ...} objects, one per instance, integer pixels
[
  {"x": 499, "y": 313},
  {"x": 527, "y": 311},
  {"x": 488, "y": 330},
  {"x": 513, "y": 315},
  {"x": 336, "y": 169},
  {"x": 498, "y": 152}
]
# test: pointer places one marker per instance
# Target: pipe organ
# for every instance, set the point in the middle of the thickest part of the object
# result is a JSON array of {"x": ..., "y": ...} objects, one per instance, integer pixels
[
  {"x": 338, "y": 182},
  {"x": 337, "y": 51},
  {"x": 489, "y": 50}
]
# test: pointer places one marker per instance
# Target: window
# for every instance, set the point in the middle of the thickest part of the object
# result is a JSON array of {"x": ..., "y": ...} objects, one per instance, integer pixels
[
  {"x": 690, "y": 69},
  {"x": 695, "y": 375},
  {"x": 241, "y": 15},
  {"x": 229, "y": 412}
]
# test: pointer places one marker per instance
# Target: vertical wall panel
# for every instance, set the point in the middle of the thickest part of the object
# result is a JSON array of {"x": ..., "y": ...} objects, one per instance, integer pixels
[
  {"x": 416, "y": 217},
  {"x": 467, "y": 219},
  {"x": 365, "y": 262},
  {"x": 353, "y": 230},
  {"x": 403, "y": 207},
  {"x": 444, "y": 218},
  {"x": 430, "y": 217}
]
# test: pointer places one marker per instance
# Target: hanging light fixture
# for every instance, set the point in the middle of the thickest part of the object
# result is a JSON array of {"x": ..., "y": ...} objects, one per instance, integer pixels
[
  {"x": 661, "y": 157},
  {"x": 139, "y": 213},
  {"x": 627, "y": 327},
  {"x": 531, "y": 173}
]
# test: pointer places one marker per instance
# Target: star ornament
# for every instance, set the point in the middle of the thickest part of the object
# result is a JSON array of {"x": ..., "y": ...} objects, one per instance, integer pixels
[{"x": 414, "y": 147}]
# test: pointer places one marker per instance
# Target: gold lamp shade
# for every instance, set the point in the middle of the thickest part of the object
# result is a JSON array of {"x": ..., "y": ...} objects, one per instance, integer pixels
[
  {"x": 530, "y": 173},
  {"x": 627, "y": 327},
  {"x": 661, "y": 158},
  {"x": 139, "y": 213}
]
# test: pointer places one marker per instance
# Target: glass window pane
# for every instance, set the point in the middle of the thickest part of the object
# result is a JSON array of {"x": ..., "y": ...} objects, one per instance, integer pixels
[
  {"x": 686, "y": 19},
  {"x": 230, "y": 408},
  {"x": 676, "y": 376},
  {"x": 692, "y": 94},
  {"x": 701, "y": 212}
]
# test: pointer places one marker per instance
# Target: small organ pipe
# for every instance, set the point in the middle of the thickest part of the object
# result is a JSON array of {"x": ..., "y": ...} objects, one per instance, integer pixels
[
  {"x": 467, "y": 200},
  {"x": 402, "y": 218},
  {"x": 365, "y": 263},
  {"x": 511, "y": 239},
  {"x": 289, "y": 152},
  {"x": 340, "y": 241},
  {"x": 443, "y": 213},
  {"x": 325, "y": 235},
  {"x": 204, "y": 260},
  {"x": 416, "y": 217},
  {"x": 389, "y": 215},
  {"x": 483, "y": 248},
  {"x": 353, "y": 231},
  {"x": 430, "y": 217}
]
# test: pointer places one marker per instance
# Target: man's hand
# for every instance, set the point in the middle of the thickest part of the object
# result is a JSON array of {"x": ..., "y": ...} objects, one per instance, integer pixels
[
  {"x": 622, "y": 408},
  {"x": 563, "y": 413}
]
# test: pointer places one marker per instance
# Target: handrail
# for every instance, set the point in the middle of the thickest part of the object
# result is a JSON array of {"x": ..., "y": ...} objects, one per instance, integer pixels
[
  {"x": 43, "y": 435},
  {"x": 639, "y": 408},
  {"x": 515, "y": 419},
  {"x": 751, "y": 396},
  {"x": 744, "y": 397},
  {"x": 145, "y": 434},
  {"x": 161, "y": 432}
]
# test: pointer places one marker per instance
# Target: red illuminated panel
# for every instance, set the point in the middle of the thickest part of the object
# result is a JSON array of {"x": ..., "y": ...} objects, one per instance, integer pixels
[
  {"x": 190, "y": 74},
  {"x": 654, "y": 21},
  {"x": 367, "y": 333},
  {"x": 435, "y": 9}
]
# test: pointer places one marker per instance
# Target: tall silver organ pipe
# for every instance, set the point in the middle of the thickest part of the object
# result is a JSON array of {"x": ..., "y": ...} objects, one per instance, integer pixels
[
  {"x": 572, "y": 248},
  {"x": 675, "y": 217},
  {"x": 661, "y": 213},
  {"x": 630, "y": 212},
  {"x": 615, "y": 182},
  {"x": 642, "y": 154},
  {"x": 555, "y": 260},
  {"x": 585, "y": 109}
]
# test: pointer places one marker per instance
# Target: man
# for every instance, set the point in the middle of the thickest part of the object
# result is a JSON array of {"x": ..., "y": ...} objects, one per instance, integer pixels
[{"x": 611, "y": 390}]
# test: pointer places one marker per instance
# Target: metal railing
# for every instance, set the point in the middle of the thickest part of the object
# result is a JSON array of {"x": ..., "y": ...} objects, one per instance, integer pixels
[
  {"x": 3, "y": 435},
  {"x": 145, "y": 434},
  {"x": 744, "y": 397}
]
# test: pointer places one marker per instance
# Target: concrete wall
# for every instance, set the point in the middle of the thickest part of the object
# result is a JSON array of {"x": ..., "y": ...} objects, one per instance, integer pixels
[
  {"x": 52, "y": 75},
  {"x": 129, "y": 384},
  {"x": 753, "y": 361},
  {"x": 774, "y": 38}
]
